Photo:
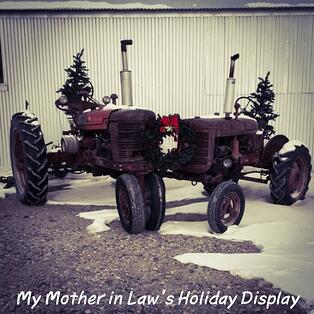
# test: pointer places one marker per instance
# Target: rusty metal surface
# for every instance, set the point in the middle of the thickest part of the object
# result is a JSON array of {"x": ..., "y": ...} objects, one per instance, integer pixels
[
  {"x": 126, "y": 130},
  {"x": 94, "y": 120},
  {"x": 207, "y": 132},
  {"x": 223, "y": 127},
  {"x": 118, "y": 148}
]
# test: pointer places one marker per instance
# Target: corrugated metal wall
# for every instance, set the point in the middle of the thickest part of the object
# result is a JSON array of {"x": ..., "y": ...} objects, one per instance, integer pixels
[{"x": 179, "y": 64}]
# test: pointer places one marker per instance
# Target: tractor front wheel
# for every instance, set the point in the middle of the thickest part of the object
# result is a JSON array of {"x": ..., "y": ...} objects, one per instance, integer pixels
[
  {"x": 290, "y": 174},
  {"x": 130, "y": 203},
  {"x": 155, "y": 196},
  {"x": 28, "y": 159},
  {"x": 225, "y": 207}
]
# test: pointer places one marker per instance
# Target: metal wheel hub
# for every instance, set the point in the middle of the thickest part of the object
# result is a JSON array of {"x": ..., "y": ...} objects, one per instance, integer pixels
[
  {"x": 124, "y": 205},
  {"x": 230, "y": 209},
  {"x": 297, "y": 177},
  {"x": 19, "y": 166}
]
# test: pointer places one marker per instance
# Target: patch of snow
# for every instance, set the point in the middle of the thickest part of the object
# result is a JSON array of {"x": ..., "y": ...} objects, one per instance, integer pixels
[
  {"x": 196, "y": 229},
  {"x": 290, "y": 147},
  {"x": 112, "y": 107},
  {"x": 82, "y": 190},
  {"x": 246, "y": 117},
  {"x": 5, "y": 171},
  {"x": 101, "y": 219},
  {"x": 222, "y": 116},
  {"x": 276, "y": 5},
  {"x": 76, "y": 5},
  {"x": 284, "y": 233},
  {"x": 5, "y": 192},
  {"x": 194, "y": 208},
  {"x": 182, "y": 190}
]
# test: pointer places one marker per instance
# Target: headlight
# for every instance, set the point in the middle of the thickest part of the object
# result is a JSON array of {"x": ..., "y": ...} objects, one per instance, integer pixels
[
  {"x": 63, "y": 100},
  {"x": 106, "y": 100},
  {"x": 227, "y": 163}
]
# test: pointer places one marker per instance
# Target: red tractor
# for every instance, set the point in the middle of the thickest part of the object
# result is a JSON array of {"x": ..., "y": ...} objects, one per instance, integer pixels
[
  {"x": 101, "y": 141},
  {"x": 224, "y": 146}
]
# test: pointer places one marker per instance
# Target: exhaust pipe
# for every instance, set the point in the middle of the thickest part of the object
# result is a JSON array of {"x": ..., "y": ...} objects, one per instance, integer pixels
[
  {"x": 125, "y": 75},
  {"x": 230, "y": 84}
]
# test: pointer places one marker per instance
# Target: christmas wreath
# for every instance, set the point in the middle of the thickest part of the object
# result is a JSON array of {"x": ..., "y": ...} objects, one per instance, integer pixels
[{"x": 155, "y": 134}]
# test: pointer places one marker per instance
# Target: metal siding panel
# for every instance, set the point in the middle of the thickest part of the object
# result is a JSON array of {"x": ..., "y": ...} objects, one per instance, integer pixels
[{"x": 179, "y": 64}]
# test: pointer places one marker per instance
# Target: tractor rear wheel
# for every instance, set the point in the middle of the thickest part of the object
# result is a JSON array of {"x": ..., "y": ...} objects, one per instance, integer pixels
[
  {"x": 225, "y": 207},
  {"x": 290, "y": 174},
  {"x": 130, "y": 203},
  {"x": 28, "y": 159},
  {"x": 155, "y": 194}
]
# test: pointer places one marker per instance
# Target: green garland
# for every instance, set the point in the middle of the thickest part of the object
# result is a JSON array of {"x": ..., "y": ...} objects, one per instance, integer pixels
[{"x": 175, "y": 159}]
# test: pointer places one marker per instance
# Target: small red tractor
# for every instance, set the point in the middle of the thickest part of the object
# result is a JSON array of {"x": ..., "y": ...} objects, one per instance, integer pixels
[
  {"x": 109, "y": 140},
  {"x": 226, "y": 145}
]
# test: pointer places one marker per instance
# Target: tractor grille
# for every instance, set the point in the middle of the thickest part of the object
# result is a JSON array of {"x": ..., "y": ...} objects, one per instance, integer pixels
[
  {"x": 201, "y": 150},
  {"x": 130, "y": 140}
]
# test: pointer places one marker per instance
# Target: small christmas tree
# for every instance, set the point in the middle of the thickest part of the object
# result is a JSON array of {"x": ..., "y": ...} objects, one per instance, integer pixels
[
  {"x": 262, "y": 102},
  {"x": 78, "y": 82}
]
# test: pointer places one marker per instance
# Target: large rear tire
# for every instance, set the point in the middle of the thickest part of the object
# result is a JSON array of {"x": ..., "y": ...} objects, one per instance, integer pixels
[
  {"x": 155, "y": 189},
  {"x": 28, "y": 159},
  {"x": 130, "y": 203},
  {"x": 225, "y": 206},
  {"x": 290, "y": 174}
]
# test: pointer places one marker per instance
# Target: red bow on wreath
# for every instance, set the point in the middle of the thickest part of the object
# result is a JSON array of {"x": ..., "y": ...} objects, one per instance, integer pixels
[{"x": 169, "y": 124}]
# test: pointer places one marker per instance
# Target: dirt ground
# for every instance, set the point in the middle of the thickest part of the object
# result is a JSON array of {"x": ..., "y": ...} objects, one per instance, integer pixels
[{"x": 48, "y": 248}]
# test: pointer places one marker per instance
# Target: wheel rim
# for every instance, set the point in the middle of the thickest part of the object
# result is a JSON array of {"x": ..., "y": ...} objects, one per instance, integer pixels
[
  {"x": 19, "y": 164},
  {"x": 124, "y": 203},
  {"x": 230, "y": 209},
  {"x": 297, "y": 177}
]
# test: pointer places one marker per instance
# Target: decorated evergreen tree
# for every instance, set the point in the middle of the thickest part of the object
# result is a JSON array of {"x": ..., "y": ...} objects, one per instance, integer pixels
[
  {"x": 261, "y": 106},
  {"x": 78, "y": 82}
]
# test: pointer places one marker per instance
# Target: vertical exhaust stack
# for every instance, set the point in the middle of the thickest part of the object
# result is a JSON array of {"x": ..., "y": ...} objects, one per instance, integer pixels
[
  {"x": 230, "y": 85},
  {"x": 125, "y": 75}
]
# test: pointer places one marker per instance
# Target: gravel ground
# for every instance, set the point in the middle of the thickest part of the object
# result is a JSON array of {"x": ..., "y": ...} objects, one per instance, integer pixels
[{"x": 48, "y": 248}]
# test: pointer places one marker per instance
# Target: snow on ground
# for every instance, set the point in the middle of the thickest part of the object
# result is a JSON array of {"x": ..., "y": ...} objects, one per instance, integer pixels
[
  {"x": 82, "y": 190},
  {"x": 284, "y": 233},
  {"x": 4, "y": 172},
  {"x": 5, "y": 192},
  {"x": 176, "y": 191},
  {"x": 9, "y": 5},
  {"x": 101, "y": 219}
]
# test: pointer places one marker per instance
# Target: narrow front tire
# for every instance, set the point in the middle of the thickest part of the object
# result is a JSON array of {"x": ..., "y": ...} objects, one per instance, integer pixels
[
  {"x": 225, "y": 206},
  {"x": 130, "y": 203}
]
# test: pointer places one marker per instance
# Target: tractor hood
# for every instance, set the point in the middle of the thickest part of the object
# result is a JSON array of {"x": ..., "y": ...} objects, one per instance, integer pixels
[
  {"x": 132, "y": 115},
  {"x": 95, "y": 119},
  {"x": 99, "y": 119},
  {"x": 223, "y": 127}
]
